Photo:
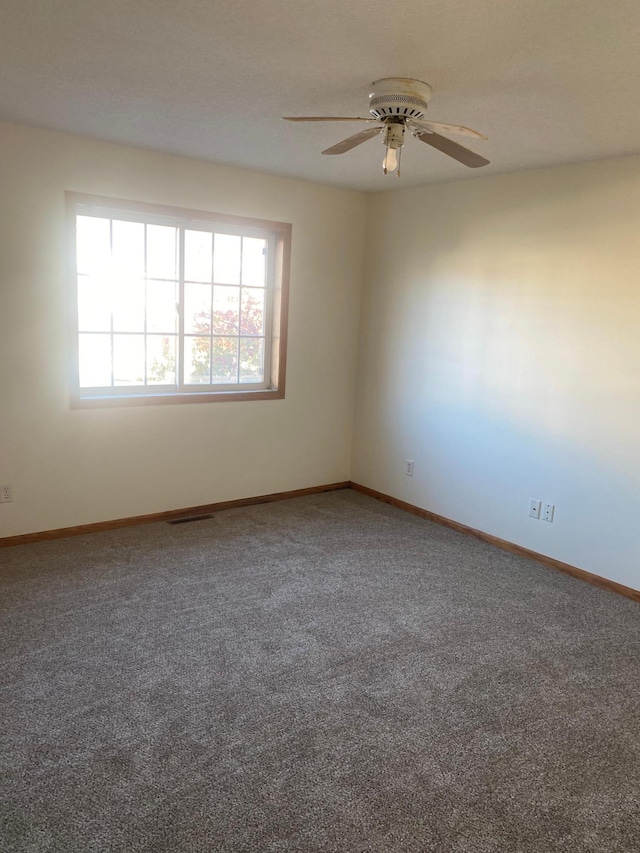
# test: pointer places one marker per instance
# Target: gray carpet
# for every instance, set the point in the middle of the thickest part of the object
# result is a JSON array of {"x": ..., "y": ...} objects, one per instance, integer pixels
[{"x": 321, "y": 674}]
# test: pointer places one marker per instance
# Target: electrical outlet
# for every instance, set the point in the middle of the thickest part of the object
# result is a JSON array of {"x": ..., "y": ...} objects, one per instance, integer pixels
[
  {"x": 6, "y": 495},
  {"x": 549, "y": 509},
  {"x": 534, "y": 508},
  {"x": 408, "y": 467}
]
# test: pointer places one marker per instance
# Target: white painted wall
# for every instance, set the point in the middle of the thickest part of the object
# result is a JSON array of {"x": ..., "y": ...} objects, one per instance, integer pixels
[
  {"x": 71, "y": 467},
  {"x": 500, "y": 349}
]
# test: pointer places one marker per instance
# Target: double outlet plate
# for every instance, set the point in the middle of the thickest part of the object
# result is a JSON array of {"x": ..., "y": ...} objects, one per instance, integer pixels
[{"x": 537, "y": 507}]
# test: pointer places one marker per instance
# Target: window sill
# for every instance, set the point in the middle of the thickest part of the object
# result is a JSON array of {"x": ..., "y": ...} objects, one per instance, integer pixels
[{"x": 172, "y": 399}]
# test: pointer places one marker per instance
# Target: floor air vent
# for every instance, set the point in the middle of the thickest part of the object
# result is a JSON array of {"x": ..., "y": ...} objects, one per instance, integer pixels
[{"x": 189, "y": 518}]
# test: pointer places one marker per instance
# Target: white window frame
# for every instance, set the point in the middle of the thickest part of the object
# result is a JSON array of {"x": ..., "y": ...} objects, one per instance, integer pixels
[{"x": 278, "y": 237}]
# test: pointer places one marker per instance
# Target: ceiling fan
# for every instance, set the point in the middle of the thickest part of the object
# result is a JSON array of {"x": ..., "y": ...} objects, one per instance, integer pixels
[{"x": 398, "y": 104}]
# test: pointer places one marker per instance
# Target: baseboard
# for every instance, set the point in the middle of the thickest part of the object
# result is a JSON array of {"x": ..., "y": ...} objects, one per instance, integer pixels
[
  {"x": 169, "y": 515},
  {"x": 549, "y": 562}
]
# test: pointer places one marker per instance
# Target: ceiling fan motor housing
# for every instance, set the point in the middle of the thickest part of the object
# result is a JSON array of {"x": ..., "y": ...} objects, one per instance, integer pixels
[{"x": 399, "y": 97}]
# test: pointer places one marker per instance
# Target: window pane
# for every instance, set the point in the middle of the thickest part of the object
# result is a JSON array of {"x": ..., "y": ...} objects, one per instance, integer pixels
[
  {"x": 128, "y": 248},
  {"x": 161, "y": 360},
  {"x": 161, "y": 306},
  {"x": 197, "y": 358},
  {"x": 224, "y": 360},
  {"x": 198, "y": 247},
  {"x": 94, "y": 305},
  {"x": 226, "y": 259},
  {"x": 93, "y": 244},
  {"x": 251, "y": 359},
  {"x": 226, "y": 305},
  {"x": 128, "y": 304},
  {"x": 95, "y": 360},
  {"x": 128, "y": 359},
  {"x": 162, "y": 251},
  {"x": 197, "y": 308},
  {"x": 254, "y": 256},
  {"x": 252, "y": 319},
  {"x": 173, "y": 303}
]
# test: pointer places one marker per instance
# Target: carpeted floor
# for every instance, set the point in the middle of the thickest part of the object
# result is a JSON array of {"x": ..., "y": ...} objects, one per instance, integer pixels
[{"x": 321, "y": 674}]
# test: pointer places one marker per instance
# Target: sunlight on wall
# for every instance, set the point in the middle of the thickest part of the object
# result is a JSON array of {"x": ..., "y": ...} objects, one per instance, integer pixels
[{"x": 69, "y": 466}]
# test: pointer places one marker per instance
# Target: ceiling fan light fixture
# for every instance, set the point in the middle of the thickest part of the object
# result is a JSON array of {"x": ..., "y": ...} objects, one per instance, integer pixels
[
  {"x": 391, "y": 161},
  {"x": 393, "y": 142}
]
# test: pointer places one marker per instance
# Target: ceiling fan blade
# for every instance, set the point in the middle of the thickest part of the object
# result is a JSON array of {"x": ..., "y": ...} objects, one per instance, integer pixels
[
  {"x": 452, "y": 149},
  {"x": 440, "y": 127},
  {"x": 327, "y": 118},
  {"x": 351, "y": 141}
]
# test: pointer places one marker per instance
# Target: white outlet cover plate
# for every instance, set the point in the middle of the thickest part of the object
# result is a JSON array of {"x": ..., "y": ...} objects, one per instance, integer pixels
[{"x": 534, "y": 508}]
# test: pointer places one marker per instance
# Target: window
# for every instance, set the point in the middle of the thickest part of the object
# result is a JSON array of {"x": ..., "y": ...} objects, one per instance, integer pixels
[{"x": 174, "y": 305}]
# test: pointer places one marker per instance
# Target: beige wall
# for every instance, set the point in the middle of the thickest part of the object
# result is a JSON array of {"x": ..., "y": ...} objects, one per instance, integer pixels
[
  {"x": 71, "y": 467},
  {"x": 500, "y": 350}
]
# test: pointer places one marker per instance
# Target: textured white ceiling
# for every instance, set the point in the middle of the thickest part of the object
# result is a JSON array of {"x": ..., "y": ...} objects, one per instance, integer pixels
[{"x": 548, "y": 81}]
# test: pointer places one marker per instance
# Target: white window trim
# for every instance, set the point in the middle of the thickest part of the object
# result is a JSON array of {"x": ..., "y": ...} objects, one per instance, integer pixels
[{"x": 278, "y": 235}]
